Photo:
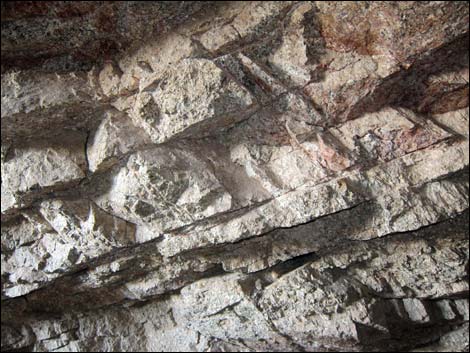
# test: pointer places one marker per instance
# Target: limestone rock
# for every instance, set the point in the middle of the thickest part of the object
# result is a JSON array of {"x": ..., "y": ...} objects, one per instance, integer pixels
[
  {"x": 235, "y": 176},
  {"x": 114, "y": 138},
  {"x": 193, "y": 95},
  {"x": 253, "y": 21},
  {"x": 63, "y": 236},
  {"x": 60, "y": 36},
  {"x": 54, "y": 101},
  {"x": 374, "y": 28},
  {"x": 165, "y": 188},
  {"x": 32, "y": 170},
  {"x": 324, "y": 299}
]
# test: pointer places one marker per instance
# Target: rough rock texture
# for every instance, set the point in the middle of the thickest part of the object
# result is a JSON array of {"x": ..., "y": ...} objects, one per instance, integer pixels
[{"x": 235, "y": 176}]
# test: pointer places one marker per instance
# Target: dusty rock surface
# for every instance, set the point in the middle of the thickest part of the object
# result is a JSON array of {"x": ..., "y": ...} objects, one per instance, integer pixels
[{"x": 234, "y": 176}]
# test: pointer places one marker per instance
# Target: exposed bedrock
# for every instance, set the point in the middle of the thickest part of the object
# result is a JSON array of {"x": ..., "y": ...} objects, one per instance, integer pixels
[{"x": 235, "y": 176}]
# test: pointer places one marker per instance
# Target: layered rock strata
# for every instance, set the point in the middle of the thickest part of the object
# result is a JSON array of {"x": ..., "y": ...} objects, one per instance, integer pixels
[{"x": 235, "y": 176}]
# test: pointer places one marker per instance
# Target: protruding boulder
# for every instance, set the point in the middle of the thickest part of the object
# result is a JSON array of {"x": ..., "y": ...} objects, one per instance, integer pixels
[
  {"x": 165, "y": 188},
  {"x": 190, "y": 99},
  {"x": 116, "y": 137}
]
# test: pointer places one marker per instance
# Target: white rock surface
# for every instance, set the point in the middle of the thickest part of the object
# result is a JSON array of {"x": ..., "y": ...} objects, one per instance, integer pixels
[{"x": 235, "y": 176}]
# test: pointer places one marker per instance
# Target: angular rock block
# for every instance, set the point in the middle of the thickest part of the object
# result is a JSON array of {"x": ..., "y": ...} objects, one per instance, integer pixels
[
  {"x": 31, "y": 170},
  {"x": 164, "y": 189},
  {"x": 235, "y": 176},
  {"x": 189, "y": 99}
]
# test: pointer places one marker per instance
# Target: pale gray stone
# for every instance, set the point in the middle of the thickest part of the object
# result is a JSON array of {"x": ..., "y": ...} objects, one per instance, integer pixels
[{"x": 234, "y": 176}]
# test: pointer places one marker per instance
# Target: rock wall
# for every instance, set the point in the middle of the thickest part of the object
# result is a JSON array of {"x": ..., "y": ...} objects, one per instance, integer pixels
[{"x": 234, "y": 176}]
